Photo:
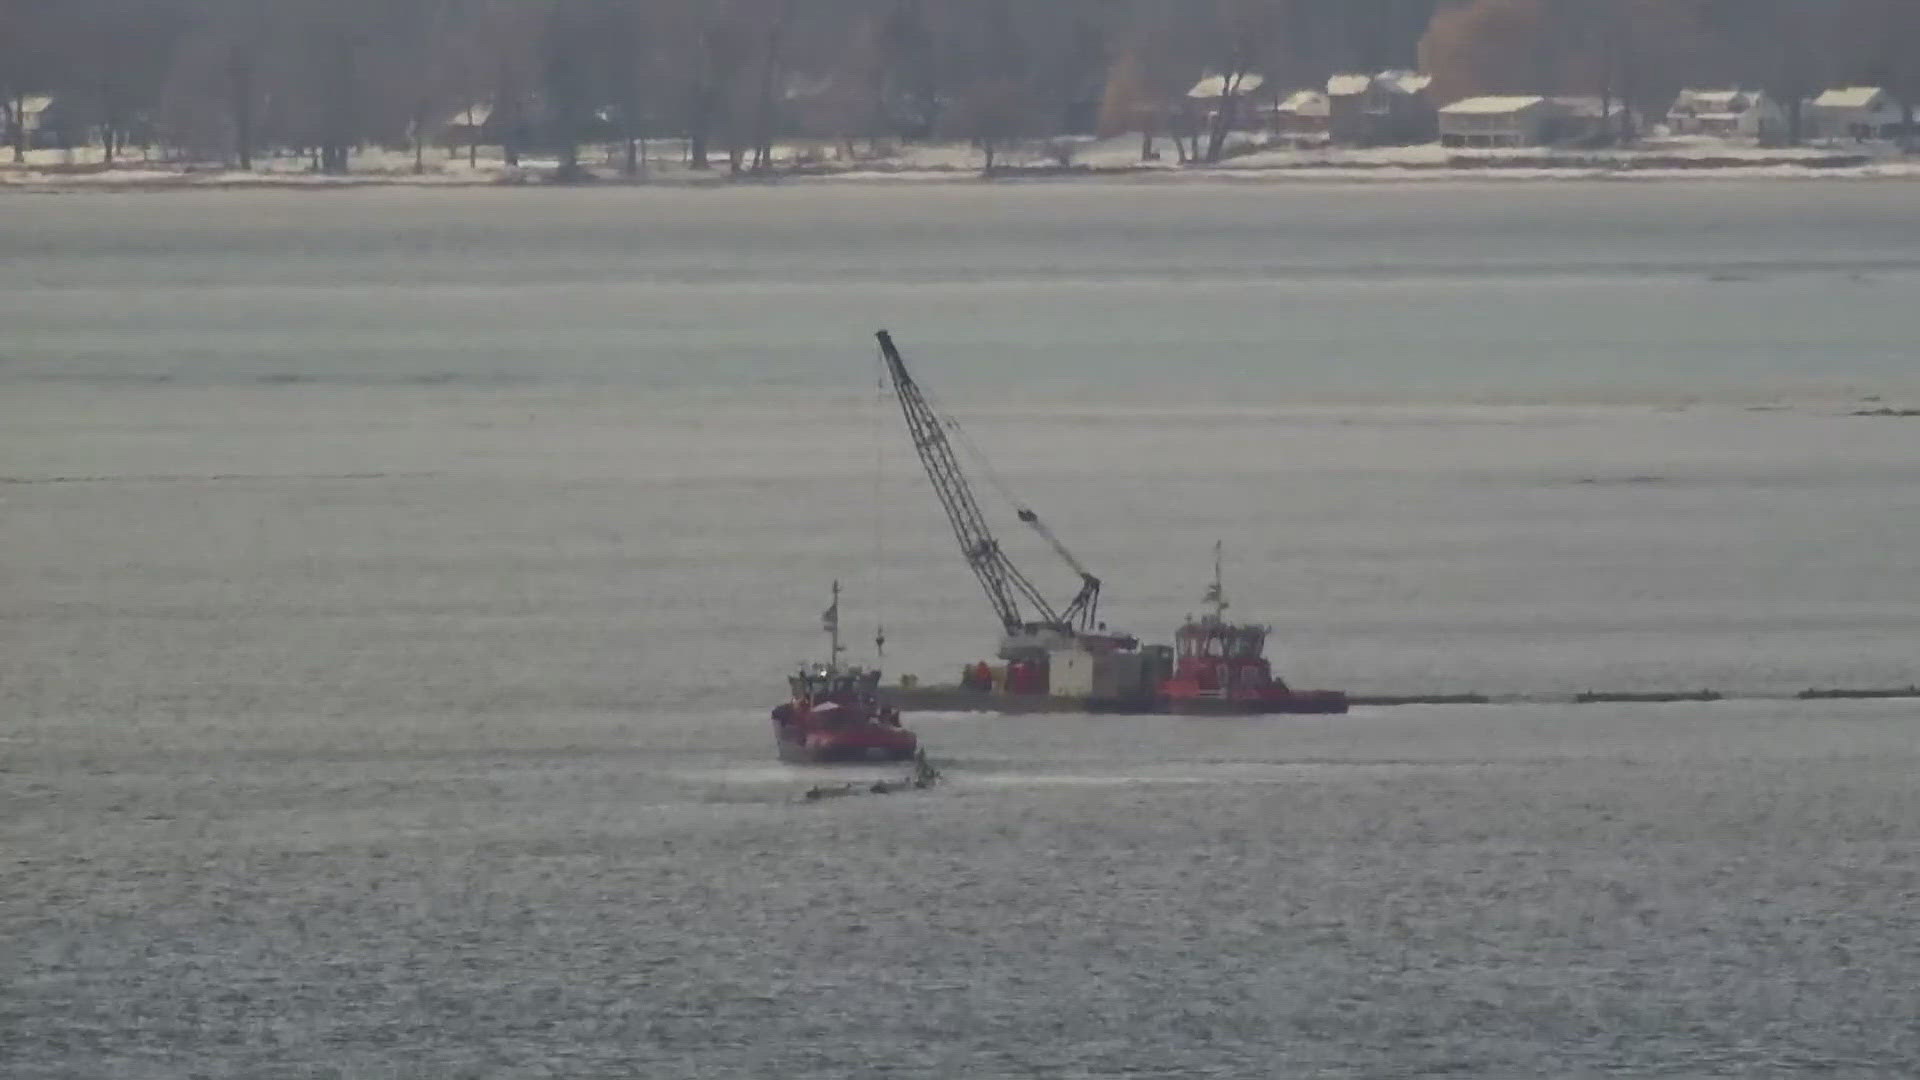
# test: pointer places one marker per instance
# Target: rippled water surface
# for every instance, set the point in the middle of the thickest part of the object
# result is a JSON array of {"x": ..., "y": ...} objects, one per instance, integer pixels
[{"x": 395, "y": 584}]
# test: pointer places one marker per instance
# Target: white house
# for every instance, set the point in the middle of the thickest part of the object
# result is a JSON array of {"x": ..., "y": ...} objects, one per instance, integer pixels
[
  {"x": 1497, "y": 121},
  {"x": 31, "y": 115},
  {"x": 1855, "y": 112},
  {"x": 1727, "y": 114},
  {"x": 1302, "y": 114},
  {"x": 1209, "y": 92},
  {"x": 1214, "y": 86}
]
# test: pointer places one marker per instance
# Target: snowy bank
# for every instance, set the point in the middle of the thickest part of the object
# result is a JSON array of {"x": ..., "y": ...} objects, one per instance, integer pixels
[{"x": 1109, "y": 159}]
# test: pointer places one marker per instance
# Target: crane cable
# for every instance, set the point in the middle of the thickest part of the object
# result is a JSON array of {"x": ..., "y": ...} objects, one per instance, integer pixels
[
  {"x": 1024, "y": 512},
  {"x": 879, "y": 509},
  {"x": 974, "y": 453}
]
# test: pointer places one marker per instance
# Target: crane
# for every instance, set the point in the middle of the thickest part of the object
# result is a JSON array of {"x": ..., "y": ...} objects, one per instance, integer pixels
[{"x": 1008, "y": 589}]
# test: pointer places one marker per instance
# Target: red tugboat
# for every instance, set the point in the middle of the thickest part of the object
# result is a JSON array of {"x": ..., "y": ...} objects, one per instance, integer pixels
[
  {"x": 1220, "y": 668},
  {"x": 836, "y": 714}
]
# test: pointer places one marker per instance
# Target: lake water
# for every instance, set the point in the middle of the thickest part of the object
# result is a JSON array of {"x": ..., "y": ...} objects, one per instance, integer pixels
[{"x": 396, "y": 582}]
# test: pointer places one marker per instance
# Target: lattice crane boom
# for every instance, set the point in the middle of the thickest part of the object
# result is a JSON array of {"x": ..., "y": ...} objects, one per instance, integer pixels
[{"x": 1007, "y": 588}]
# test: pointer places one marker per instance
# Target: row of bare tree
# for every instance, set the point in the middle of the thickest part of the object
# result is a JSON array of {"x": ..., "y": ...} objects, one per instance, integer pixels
[{"x": 222, "y": 79}]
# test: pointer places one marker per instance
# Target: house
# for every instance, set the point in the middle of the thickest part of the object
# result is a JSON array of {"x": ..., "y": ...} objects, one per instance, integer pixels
[
  {"x": 33, "y": 111},
  {"x": 1240, "y": 88},
  {"x": 1213, "y": 87},
  {"x": 1580, "y": 119},
  {"x": 1727, "y": 114},
  {"x": 1302, "y": 116},
  {"x": 27, "y": 117},
  {"x": 1392, "y": 108},
  {"x": 468, "y": 126},
  {"x": 1497, "y": 121},
  {"x": 1855, "y": 112}
]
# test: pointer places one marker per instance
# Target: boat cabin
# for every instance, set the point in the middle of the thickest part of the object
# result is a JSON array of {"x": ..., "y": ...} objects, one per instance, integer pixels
[
  {"x": 1215, "y": 640},
  {"x": 1216, "y": 656},
  {"x": 819, "y": 684}
]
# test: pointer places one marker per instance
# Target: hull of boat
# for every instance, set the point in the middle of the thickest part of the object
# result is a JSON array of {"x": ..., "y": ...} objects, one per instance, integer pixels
[
  {"x": 1310, "y": 702},
  {"x": 819, "y": 751},
  {"x": 959, "y": 699}
]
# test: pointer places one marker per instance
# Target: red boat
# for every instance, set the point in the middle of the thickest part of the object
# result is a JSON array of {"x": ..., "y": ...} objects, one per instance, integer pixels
[
  {"x": 1220, "y": 668},
  {"x": 836, "y": 714}
]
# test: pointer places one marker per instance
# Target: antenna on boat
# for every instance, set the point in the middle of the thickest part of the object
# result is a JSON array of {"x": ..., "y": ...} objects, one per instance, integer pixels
[
  {"x": 830, "y": 622},
  {"x": 1216, "y": 593}
]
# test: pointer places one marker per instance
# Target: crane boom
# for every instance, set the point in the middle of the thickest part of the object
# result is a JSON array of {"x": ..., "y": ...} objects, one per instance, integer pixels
[{"x": 1006, "y": 587}]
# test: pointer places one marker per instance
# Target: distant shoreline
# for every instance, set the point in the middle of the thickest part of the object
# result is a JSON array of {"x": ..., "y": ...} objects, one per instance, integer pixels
[
  {"x": 1289, "y": 176},
  {"x": 1108, "y": 160}
]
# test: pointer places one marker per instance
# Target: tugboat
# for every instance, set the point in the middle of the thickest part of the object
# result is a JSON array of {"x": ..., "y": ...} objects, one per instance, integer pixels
[
  {"x": 835, "y": 714},
  {"x": 1221, "y": 670}
]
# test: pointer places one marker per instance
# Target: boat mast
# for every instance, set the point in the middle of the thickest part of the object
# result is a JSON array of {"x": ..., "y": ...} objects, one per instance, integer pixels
[
  {"x": 1216, "y": 593},
  {"x": 830, "y": 622}
]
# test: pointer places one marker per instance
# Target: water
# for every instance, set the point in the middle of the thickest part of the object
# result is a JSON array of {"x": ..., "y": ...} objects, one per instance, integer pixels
[
  {"x": 396, "y": 582},
  {"x": 1550, "y": 292}
]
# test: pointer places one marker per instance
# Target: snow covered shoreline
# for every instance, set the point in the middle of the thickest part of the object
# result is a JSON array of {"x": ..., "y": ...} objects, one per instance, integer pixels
[{"x": 1114, "y": 159}]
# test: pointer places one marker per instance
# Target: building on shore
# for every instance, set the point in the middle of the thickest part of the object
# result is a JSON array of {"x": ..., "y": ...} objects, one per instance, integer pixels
[
  {"x": 1858, "y": 113},
  {"x": 1528, "y": 120},
  {"x": 1496, "y": 121},
  {"x": 1728, "y": 114},
  {"x": 1301, "y": 117},
  {"x": 24, "y": 118},
  {"x": 1392, "y": 108},
  {"x": 1586, "y": 119}
]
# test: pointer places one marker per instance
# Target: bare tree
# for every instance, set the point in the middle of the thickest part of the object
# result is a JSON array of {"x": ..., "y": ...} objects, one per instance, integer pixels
[
  {"x": 121, "y": 50},
  {"x": 568, "y": 39},
  {"x": 1637, "y": 53},
  {"x": 1487, "y": 47},
  {"x": 1786, "y": 47},
  {"x": 1888, "y": 54},
  {"x": 1130, "y": 102},
  {"x": 423, "y": 59},
  {"x": 907, "y": 74},
  {"x": 331, "y": 63},
  {"x": 29, "y": 62},
  {"x": 623, "y": 39},
  {"x": 772, "y": 59},
  {"x": 505, "y": 54},
  {"x": 242, "y": 96},
  {"x": 1247, "y": 33},
  {"x": 992, "y": 113},
  {"x": 708, "y": 45},
  {"x": 997, "y": 103}
]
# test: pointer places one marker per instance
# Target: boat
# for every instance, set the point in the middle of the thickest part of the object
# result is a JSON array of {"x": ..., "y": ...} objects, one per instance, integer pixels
[
  {"x": 1221, "y": 668},
  {"x": 835, "y": 713},
  {"x": 1062, "y": 658}
]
